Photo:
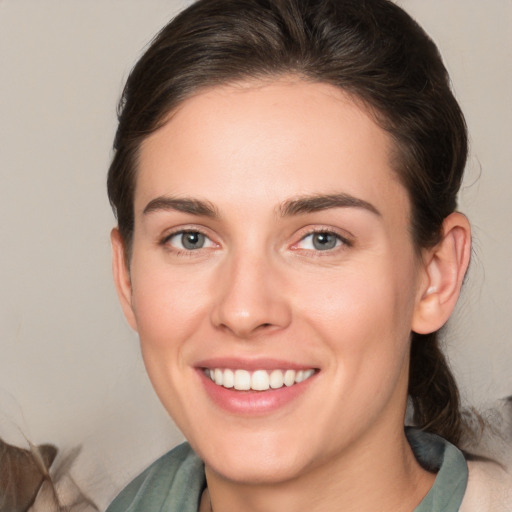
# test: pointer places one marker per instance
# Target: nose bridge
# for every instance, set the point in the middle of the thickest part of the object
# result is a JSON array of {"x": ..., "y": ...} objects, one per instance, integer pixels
[{"x": 249, "y": 295}]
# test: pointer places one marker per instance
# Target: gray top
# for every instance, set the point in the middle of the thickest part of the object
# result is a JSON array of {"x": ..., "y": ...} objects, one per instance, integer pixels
[{"x": 175, "y": 482}]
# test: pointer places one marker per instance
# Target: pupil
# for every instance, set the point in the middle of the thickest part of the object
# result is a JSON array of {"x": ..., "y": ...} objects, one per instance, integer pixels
[
  {"x": 324, "y": 241},
  {"x": 192, "y": 240}
]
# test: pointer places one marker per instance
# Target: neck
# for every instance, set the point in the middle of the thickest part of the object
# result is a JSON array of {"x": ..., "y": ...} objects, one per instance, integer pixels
[{"x": 362, "y": 480}]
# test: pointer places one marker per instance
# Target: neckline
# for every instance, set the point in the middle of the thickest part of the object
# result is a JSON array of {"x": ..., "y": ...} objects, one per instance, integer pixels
[{"x": 438, "y": 455}]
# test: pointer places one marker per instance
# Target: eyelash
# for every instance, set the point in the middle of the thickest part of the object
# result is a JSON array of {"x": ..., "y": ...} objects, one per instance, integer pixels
[
  {"x": 183, "y": 252},
  {"x": 341, "y": 241}
]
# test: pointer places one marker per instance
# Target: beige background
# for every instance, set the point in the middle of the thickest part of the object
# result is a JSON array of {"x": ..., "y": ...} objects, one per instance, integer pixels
[{"x": 70, "y": 370}]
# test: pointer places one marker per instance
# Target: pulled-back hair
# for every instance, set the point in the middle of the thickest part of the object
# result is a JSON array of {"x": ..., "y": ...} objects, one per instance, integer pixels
[{"x": 372, "y": 50}]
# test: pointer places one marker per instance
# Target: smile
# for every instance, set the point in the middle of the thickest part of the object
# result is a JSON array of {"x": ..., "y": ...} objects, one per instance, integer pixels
[{"x": 259, "y": 380}]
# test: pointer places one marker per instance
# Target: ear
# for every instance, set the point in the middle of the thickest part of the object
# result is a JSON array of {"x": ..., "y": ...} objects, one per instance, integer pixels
[
  {"x": 122, "y": 277},
  {"x": 445, "y": 266}
]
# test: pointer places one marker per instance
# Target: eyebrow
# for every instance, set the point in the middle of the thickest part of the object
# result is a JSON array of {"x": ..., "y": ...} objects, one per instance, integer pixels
[
  {"x": 185, "y": 205},
  {"x": 297, "y": 206},
  {"x": 319, "y": 202}
]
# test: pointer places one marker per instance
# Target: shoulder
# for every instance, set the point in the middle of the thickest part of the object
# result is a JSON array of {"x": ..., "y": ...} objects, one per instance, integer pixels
[
  {"x": 174, "y": 483},
  {"x": 489, "y": 488},
  {"x": 490, "y": 459}
]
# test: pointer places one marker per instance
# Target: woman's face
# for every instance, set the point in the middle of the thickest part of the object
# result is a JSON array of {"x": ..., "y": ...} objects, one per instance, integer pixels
[{"x": 272, "y": 244}]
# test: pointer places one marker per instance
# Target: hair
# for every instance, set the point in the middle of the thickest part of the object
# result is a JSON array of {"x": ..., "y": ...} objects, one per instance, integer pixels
[{"x": 372, "y": 50}]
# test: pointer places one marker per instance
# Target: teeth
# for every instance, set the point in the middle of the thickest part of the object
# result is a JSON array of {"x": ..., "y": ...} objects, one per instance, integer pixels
[
  {"x": 228, "y": 379},
  {"x": 308, "y": 373},
  {"x": 242, "y": 380},
  {"x": 276, "y": 379},
  {"x": 289, "y": 378},
  {"x": 259, "y": 380}
]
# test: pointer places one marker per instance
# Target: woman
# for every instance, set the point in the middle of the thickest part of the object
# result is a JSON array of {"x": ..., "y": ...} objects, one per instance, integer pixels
[{"x": 285, "y": 179}]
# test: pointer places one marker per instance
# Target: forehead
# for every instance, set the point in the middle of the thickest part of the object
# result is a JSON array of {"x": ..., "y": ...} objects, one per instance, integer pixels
[{"x": 268, "y": 140}]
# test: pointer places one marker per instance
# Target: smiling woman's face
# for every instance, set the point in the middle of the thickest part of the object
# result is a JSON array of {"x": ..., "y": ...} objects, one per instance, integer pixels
[{"x": 272, "y": 242}]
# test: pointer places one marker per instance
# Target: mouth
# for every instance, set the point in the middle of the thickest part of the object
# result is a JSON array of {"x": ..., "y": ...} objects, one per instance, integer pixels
[
  {"x": 258, "y": 380},
  {"x": 256, "y": 388}
]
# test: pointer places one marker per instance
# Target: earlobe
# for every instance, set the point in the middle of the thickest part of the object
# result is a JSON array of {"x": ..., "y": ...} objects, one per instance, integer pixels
[
  {"x": 121, "y": 275},
  {"x": 445, "y": 266}
]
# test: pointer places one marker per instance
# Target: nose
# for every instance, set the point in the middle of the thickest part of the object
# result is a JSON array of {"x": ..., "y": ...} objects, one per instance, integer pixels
[{"x": 250, "y": 297}]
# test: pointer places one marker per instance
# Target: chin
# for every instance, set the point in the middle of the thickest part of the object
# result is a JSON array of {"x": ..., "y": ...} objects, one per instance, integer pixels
[
  {"x": 254, "y": 459},
  {"x": 253, "y": 470}
]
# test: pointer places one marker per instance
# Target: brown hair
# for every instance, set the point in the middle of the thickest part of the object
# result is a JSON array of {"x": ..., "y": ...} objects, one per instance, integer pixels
[{"x": 370, "y": 48}]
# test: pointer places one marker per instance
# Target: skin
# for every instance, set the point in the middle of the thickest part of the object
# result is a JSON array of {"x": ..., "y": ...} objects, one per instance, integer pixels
[{"x": 260, "y": 288}]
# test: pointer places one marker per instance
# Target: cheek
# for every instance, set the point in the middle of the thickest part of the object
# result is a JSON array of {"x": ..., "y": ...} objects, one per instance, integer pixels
[
  {"x": 362, "y": 298},
  {"x": 364, "y": 314},
  {"x": 169, "y": 309},
  {"x": 168, "y": 306}
]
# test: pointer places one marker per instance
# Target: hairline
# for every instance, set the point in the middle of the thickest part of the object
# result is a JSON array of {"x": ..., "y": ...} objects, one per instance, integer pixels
[{"x": 397, "y": 151}]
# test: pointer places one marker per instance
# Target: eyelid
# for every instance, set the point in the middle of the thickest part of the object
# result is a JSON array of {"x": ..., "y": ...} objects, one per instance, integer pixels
[
  {"x": 164, "y": 240},
  {"x": 346, "y": 239}
]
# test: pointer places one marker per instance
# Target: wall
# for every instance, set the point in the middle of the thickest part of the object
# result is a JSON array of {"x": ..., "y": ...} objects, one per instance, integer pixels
[{"x": 70, "y": 370}]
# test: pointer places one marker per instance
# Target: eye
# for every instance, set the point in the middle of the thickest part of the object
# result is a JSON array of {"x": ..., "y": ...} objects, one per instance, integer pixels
[
  {"x": 320, "y": 241},
  {"x": 189, "y": 240}
]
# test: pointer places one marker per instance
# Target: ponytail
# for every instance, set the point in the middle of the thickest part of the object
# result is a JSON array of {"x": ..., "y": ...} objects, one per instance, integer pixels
[{"x": 433, "y": 390}]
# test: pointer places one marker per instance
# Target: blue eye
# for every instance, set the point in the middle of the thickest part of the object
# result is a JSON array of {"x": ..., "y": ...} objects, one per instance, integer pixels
[
  {"x": 189, "y": 240},
  {"x": 320, "y": 241}
]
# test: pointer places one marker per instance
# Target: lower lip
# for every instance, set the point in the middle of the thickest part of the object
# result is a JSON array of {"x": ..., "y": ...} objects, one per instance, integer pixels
[{"x": 253, "y": 403}]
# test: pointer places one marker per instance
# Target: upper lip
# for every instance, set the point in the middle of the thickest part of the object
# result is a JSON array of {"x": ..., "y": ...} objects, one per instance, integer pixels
[{"x": 252, "y": 364}]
